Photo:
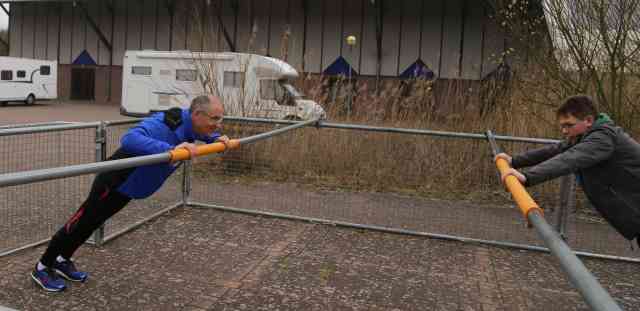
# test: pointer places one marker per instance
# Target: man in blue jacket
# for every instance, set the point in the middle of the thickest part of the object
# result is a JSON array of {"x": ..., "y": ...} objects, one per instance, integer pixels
[{"x": 111, "y": 191}]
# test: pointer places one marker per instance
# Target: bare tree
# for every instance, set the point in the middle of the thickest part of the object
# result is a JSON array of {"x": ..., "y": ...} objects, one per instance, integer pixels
[{"x": 578, "y": 46}]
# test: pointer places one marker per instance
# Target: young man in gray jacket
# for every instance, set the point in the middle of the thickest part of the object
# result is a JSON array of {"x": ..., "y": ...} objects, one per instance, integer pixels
[{"x": 605, "y": 160}]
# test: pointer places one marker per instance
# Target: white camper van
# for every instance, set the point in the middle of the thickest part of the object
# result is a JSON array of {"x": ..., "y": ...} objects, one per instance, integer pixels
[
  {"x": 250, "y": 85},
  {"x": 27, "y": 80}
]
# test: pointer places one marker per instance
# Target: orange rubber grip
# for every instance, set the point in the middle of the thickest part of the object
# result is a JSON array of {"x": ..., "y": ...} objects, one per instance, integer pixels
[
  {"x": 180, "y": 154},
  {"x": 520, "y": 195}
]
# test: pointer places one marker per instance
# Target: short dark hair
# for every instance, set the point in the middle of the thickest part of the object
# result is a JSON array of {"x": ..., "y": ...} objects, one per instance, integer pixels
[
  {"x": 200, "y": 103},
  {"x": 579, "y": 106}
]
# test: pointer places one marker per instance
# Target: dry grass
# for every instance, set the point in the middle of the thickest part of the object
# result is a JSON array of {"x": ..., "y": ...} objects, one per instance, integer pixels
[
  {"x": 416, "y": 165},
  {"x": 443, "y": 168}
]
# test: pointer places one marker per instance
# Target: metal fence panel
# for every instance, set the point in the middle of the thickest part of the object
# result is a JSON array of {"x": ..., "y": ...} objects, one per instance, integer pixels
[
  {"x": 33, "y": 212},
  {"x": 410, "y": 182},
  {"x": 417, "y": 183},
  {"x": 46, "y": 149}
]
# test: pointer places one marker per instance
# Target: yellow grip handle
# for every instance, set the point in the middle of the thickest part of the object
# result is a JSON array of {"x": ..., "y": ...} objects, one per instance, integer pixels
[
  {"x": 519, "y": 193},
  {"x": 183, "y": 154}
]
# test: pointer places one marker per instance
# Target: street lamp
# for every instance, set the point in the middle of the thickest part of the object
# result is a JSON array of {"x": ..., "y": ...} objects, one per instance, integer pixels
[{"x": 351, "y": 42}]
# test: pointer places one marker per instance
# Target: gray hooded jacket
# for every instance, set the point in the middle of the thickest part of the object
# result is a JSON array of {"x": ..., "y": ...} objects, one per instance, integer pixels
[{"x": 606, "y": 160}]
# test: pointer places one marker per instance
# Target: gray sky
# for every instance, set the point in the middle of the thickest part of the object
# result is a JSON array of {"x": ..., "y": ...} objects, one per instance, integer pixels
[{"x": 4, "y": 20}]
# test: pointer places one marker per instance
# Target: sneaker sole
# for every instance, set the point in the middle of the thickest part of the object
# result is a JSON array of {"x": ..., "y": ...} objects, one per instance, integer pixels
[
  {"x": 44, "y": 287},
  {"x": 62, "y": 274}
]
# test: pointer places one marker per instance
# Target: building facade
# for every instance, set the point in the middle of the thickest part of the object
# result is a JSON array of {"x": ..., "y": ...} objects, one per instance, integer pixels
[{"x": 448, "y": 39}]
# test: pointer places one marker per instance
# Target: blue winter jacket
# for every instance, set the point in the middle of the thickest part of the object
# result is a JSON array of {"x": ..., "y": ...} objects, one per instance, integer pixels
[{"x": 152, "y": 136}]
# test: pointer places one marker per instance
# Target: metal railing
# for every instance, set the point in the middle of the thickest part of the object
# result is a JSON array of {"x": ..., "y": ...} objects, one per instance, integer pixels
[
  {"x": 415, "y": 161},
  {"x": 344, "y": 174},
  {"x": 17, "y": 187},
  {"x": 595, "y": 295}
]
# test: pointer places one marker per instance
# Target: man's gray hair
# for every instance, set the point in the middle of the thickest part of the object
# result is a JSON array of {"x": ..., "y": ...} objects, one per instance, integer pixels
[{"x": 200, "y": 103}]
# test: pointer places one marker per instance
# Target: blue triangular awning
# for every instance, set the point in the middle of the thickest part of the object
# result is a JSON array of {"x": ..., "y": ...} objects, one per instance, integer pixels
[
  {"x": 340, "y": 67},
  {"x": 84, "y": 59},
  {"x": 418, "y": 70}
]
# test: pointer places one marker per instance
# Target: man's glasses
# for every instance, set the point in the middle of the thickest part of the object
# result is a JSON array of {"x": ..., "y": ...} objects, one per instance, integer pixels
[
  {"x": 567, "y": 126},
  {"x": 213, "y": 119},
  {"x": 570, "y": 125}
]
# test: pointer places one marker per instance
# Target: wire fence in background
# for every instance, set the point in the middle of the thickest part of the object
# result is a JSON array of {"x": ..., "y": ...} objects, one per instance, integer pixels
[
  {"x": 413, "y": 182},
  {"x": 31, "y": 213},
  {"x": 418, "y": 183}
]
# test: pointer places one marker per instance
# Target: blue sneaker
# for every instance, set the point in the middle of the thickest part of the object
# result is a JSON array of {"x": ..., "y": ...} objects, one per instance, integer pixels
[
  {"x": 48, "y": 280},
  {"x": 67, "y": 270}
]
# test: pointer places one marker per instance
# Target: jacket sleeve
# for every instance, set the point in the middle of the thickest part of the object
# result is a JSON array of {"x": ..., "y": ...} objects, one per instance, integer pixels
[
  {"x": 209, "y": 139},
  {"x": 140, "y": 141},
  {"x": 593, "y": 149},
  {"x": 537, "y": 156}
]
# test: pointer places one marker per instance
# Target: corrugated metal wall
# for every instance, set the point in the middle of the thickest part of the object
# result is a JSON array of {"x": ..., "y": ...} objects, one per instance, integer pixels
[{"x": 455, "y": 38}]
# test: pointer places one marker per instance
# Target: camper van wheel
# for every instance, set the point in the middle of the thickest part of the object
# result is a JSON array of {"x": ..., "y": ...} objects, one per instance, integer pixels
[
  {"x": 31, "y": 99},
  {"x": 2, "y": 104}
]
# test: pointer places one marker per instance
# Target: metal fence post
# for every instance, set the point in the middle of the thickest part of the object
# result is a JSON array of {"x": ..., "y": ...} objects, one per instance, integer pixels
[
  {"x": 567, "y": 199},
  {"x": 186, "y": 183},
  {"x": 101, "y": 155}
]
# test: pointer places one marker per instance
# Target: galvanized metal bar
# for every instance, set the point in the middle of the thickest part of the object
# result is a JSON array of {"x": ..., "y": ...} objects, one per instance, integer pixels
[
  {"x": 405, "y": 231},
  {"x": 262, "y": 136},
  {"x": 567, "y": 189},
  {"x": 101, "y": 152},
  {"x": 21, "y": 248},
  {"x": 495, "y": 149},
  {"x": 23, "y": 125},
  {"x": 51, "y": 128},
  {"x": 571, "y": 206},
  {"x": 594, "y": 294},
  {"x": 186, "y": 182},
  {"x": 323, "y": 124},
  {"x": 21, "y": 178}
]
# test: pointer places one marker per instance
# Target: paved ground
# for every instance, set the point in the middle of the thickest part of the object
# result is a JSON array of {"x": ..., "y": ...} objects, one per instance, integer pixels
[
  {"x": 48, "y": 111},
  {"x": 200, "y": 259}
]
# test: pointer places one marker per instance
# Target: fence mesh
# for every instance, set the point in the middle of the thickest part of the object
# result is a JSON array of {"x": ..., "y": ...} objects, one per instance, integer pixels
[
  {"x": 33, "y": 212},
  {"x": 399, "y": 181},
  {"x": 418, "y": 183}
]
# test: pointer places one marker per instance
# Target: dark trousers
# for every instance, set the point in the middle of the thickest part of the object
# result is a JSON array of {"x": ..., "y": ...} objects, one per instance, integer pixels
[{"x": 103, "y": 202}]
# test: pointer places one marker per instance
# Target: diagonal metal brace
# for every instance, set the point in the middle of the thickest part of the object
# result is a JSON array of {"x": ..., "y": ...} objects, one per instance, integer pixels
[{"x": 94, "y": 26}]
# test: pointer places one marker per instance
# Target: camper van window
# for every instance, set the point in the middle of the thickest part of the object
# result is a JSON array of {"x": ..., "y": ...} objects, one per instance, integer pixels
[
  {"x": 21, "y": 74},
  {"x": 45, "y": 70},
  {"x": 6, "y": 75},
  {"x": 291, "y": 90},
  {"x": 141, "y": 70},
  {"x": 186, "y": 75},
  {"x": 268, "y": 89},
  {"x": 233, "y": 78},
  {"x": 272, "y": 90}
]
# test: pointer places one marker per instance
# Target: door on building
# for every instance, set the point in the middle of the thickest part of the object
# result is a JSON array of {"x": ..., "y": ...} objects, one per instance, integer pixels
[{"x": 83, "y": 83}]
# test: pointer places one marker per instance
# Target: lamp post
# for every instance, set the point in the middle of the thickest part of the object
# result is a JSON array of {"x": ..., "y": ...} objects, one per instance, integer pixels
[{"x": 351, "y": 42}]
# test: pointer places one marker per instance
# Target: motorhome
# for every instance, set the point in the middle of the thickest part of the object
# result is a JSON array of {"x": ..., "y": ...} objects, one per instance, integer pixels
[
  {"x": 27, "y": 80},
  {"x": 249, "y": 85}
]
